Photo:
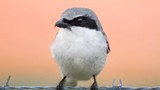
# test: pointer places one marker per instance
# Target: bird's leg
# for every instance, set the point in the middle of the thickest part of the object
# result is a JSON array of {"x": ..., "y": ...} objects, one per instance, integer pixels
[
  {"x": 94, "y": 85},
  {"x": 61, "y": 83}
]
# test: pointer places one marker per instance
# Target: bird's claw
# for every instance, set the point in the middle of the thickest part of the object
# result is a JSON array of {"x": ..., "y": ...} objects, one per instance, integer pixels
[
  {"x": 59, "y": 87},
  {"x": 94, "y": 86}
]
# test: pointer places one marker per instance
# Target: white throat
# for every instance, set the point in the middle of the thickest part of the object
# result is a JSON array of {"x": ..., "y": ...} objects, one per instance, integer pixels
[{"x": 82, "y": 32}]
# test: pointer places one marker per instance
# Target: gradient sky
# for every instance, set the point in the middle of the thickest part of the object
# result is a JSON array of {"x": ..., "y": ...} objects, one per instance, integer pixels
[{"x": 27, "y": 31}]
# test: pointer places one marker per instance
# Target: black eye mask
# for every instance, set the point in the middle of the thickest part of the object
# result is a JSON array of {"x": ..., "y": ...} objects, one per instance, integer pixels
[{"x": 82, "y": 21}]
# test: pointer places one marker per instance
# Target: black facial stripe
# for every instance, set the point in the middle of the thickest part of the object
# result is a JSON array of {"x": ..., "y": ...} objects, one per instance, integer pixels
[
  {"x": 66, "y": 21},
  {"x": 82, "y": 21}
]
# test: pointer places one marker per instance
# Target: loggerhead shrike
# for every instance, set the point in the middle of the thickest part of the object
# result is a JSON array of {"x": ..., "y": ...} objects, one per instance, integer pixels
[{"x": 80, "y": 47}]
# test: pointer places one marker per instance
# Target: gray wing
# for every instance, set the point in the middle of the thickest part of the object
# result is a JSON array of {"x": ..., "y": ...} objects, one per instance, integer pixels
[{"x": 108, "y": 49}]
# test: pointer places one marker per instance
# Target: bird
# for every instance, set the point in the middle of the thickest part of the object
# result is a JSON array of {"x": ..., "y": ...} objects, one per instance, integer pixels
[{"x": 80, "y": 47}]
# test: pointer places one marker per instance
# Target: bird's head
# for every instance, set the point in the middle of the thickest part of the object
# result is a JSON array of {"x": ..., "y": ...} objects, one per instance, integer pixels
[{"x": 79, "y": 17}]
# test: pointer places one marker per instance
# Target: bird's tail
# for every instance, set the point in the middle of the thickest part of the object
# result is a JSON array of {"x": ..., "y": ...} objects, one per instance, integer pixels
[{"x": 70, "y": 82}]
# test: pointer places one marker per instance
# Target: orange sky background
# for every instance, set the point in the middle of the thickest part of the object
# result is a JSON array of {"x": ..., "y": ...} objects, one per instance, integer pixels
[{"x": 27, "y": 31}]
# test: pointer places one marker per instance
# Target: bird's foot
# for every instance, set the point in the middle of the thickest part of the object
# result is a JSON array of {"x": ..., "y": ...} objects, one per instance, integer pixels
[
  {"x": 59, "y": 87},
  {"x": 94, "y": 86}
]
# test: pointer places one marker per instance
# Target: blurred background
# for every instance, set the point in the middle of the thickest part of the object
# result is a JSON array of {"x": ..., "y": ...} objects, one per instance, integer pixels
[{"x": 27, "y": 31}]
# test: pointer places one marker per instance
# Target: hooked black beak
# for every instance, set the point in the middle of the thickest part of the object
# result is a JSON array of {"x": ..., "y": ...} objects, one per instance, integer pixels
[{"x": 61, "y": 24}]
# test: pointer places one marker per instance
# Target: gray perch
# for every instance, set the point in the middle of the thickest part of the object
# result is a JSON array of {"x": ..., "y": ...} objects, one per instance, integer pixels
[
  {"x": 73, "y": 88},
  {"x": 120, "y": 87}
]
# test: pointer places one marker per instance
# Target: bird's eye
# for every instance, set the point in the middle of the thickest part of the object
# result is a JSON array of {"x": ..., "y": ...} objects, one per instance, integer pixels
[{"x": 79, "y": 20}]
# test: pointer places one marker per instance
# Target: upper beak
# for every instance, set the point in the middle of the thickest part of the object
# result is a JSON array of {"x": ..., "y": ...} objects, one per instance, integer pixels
[{"x": 61, "y": 24}]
